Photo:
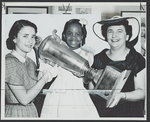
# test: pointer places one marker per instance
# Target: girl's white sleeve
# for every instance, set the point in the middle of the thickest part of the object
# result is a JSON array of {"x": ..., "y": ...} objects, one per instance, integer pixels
[{"x": 90, "y": 58}]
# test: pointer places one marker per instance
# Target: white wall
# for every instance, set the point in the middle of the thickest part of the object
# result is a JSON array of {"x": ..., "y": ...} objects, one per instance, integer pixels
[{"x": 47, "y": 22}]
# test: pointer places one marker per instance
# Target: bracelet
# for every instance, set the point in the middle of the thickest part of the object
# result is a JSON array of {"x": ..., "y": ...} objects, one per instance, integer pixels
[{"x": 125, "y": 96}]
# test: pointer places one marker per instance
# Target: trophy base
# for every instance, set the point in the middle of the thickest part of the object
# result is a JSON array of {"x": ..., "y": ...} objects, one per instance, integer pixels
[{"x": 110, "y": 82}]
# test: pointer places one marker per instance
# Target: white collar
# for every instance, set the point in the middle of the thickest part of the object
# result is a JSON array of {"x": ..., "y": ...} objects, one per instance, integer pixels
[
  {"x": 18, "y": 56},
  {"x": 77, "y": 50}
]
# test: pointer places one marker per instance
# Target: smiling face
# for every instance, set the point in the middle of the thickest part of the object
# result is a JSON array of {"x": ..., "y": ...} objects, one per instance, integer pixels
[
  {"x": 73, "y": 36},
  {"x": 117, "y": 36},
  {"x": 25, "y": 40}
]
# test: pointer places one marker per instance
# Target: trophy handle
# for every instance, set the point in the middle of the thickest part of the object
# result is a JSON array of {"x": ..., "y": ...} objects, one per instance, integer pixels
[{"x": 55, "y": 36}]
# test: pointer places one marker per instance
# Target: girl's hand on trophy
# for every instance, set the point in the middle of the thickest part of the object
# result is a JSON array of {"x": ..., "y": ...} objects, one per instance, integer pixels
[
  {"x": 54, "y": 70},
  {"x": 37, "y": 42},
  {"x": 77, "y": 74},
  {"x": 40, "y": 74},
  {"x": 45, "y": 67},
  {"x": 44, "y": 76},
  {"x": 49, "y": 76},
  {"x": 46, "y": 61}
]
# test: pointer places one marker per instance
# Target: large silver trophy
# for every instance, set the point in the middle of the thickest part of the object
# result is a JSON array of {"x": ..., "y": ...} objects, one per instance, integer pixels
[
  {"x": 57, "y": 52},
  {"x": 107, "y": 81}
]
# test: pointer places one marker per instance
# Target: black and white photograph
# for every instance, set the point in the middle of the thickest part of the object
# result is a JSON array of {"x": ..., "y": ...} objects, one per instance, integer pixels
[{"x": 74, "y": 61}]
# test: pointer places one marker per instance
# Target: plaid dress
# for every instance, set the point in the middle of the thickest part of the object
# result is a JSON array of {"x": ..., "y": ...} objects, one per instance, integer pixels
[{"x": 20, "y": 74}]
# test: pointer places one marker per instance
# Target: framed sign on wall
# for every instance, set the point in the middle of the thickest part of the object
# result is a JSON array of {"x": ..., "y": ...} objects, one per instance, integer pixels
[{"x": 26, "y": 10}]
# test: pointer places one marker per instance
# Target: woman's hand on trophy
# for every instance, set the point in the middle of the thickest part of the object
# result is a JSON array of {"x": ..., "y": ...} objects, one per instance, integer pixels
[
  {"x": 88, "y": 77},
  {"x": 114, "y": 100},
  {"x": 91, "y": 77}
]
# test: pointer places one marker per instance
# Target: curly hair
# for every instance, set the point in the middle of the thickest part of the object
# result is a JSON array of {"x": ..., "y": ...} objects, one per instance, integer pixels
[
  {"x": 75, "y": 21},
  {"x": 16, "y": 27}
]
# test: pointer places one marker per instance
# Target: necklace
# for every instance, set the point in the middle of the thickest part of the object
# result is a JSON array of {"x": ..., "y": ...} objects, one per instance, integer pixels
[{"x": 117, "y": 56}]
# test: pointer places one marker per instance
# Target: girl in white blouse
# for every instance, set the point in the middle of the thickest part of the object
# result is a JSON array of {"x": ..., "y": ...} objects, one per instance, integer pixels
[{"x": 68, "y": 98}]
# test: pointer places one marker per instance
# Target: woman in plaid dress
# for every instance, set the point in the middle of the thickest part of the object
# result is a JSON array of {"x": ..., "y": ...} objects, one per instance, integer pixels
[{"x": 22, "y": 84}]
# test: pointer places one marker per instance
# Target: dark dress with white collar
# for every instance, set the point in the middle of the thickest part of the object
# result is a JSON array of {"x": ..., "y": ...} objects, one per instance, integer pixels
[{"x": 135, "y": 62}]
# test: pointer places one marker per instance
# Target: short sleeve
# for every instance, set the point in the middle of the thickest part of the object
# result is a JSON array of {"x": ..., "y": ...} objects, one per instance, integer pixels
[
  {"x": 31, "y": 67},
  {"x": 13, "y": 72},
  {"x": 140, "y": 63},
  {"x": 90, "y": 58}
]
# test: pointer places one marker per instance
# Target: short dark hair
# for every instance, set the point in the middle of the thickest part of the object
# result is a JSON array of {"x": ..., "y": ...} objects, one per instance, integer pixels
[
  {"x": 75, "y": 21},
  {"x": 124, "y": 22},
  {"x": 16, "y": 27}
]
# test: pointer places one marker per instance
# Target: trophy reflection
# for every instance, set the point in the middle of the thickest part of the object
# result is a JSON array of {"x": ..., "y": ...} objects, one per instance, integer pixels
[
  {"x": 108, "y": 81},
  {"x": 57, "y": 52}
]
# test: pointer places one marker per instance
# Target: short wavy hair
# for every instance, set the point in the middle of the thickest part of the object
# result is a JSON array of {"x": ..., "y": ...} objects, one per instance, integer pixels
[
  {"x": 123, "y": 22},
  {"x": 16, "y": 27}
]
